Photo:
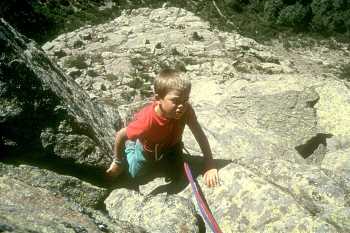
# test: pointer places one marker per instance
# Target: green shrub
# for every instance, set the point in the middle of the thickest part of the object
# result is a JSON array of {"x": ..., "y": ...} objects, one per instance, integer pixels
[
  {"x": 330, "y": 15},
  {"x": 272, "y": 9},
  {"x": 235, "y": 5},
  {"x": 111, "y": 77},
  {"x": 293, "y": 15},
  {"x": 76, "y": 61},
  {"x": 97, "y": 58},
  {"x": 136, "y": 83},
  {"x": 92, "y": 73},
  {"x": 345, "y": 72},
  {"x": 260, "y": 19}
]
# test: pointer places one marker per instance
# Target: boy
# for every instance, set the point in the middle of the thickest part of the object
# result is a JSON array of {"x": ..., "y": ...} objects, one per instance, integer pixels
[{"x": 157, "y": 129}]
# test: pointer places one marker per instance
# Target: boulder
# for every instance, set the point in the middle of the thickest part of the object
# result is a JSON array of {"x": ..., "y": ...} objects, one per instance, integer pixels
[
  {"x": 24, "y": 208},
  {"x": 263, "y": 195},
  {"x": 275, "y": 117},
  {"x": 338, "y": 163},
  {"x": 70, "y": 187},
  {"x": 155, "y": 213},
  {"x": 44, "y": 113}
]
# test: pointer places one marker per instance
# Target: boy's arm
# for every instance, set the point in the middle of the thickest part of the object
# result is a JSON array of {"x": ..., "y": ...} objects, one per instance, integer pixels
[
  {"x": 116, "y": 167},
  {"x": 120, "y": 139},
  {"x": 202, "y": 141},
  {"x": 211, "y": 177}
]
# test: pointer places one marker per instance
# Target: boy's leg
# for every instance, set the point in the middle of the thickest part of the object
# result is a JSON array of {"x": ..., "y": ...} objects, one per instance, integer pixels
[
  {"x": 137, "y": 165},
  {"x": 173, "y": 163}
]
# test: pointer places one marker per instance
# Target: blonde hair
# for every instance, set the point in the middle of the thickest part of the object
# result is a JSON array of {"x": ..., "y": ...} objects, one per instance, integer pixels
[{"x": 170, "y": 79}]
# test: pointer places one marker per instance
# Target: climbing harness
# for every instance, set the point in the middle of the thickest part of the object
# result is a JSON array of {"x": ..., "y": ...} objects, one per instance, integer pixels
[
  {"x": 157, "y": 156},
  {"x": 203, "y": 207}
]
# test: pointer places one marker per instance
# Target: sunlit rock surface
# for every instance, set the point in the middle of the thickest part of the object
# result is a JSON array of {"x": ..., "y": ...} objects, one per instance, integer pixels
[
  {"x": 276, "y": 119},
  {"x": 159, "y": 213}
]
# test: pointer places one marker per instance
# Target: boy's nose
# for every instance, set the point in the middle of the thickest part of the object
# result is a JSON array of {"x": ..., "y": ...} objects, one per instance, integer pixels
[{"x": 181, "y": 106}]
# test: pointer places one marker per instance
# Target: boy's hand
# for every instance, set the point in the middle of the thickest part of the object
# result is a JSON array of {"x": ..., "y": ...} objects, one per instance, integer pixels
[
  {"x": 211, "y": 177},
  {"x": 114, "y": 170}
]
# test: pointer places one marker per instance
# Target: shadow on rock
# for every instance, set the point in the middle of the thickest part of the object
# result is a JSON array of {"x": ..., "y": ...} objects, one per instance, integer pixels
[
  {"x": 90, "y": 174},
  {"x": 160, "y": 179}
]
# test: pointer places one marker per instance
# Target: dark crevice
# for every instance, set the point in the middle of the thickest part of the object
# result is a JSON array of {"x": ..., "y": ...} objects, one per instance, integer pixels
[
  {"x": 42, "y": 160},
  {"x": 201, "y": 224},
  {"x": 308, "y": 148},
  {"x": 312, "y": 103},
  {"x": 90, "y": 174},
  {"x": 6, "y": 228},
  {"x": 96, "y": 176}
]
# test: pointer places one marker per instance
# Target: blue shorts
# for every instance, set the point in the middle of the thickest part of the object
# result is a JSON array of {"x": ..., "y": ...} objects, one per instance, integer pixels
[
  {"x": 136, "y": 161},
  {"x": 138, "y": 165}
]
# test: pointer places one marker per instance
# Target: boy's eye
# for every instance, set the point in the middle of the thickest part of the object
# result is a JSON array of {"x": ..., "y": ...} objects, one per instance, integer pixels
[{"x": 180, "y": 101}]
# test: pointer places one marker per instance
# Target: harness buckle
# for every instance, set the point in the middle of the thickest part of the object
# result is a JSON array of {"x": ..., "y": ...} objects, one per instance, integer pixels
[{"x": 157, "y": 156}]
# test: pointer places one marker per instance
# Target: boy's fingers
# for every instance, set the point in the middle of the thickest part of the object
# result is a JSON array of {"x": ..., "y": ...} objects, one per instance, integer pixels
[
  {"x": 112, "y": 171},
  {"x": 206, "y": 178},
  {"x": 211, "y": 181},
  {"x": 211, "y": 178},
  {"x": 214, "y": 181},
  {"x": 216, "y": 178},
  {"x": 207, "y": 181}
]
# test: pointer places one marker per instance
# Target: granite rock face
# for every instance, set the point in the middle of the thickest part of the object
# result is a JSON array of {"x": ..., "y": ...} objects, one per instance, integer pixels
[
  {"x": 24, "y": 208},
  {"x": 277, "y": 120},
  {"x": 274, "y": 116},
  {"x": 44, "y": 113},
  {"x": 159, "y": 213},
  {"x": 72, "y": 188}
]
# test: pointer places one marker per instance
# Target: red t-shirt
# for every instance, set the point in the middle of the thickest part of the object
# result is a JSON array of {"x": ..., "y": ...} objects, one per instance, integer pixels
[{"x": 152, "y": 129}]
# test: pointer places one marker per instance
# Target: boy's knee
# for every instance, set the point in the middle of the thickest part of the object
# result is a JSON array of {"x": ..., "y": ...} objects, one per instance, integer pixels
[
  {"x": 133, "y": 172},
  {"x": 136, "y": 169},
  {"x": 135, "y": 159}
]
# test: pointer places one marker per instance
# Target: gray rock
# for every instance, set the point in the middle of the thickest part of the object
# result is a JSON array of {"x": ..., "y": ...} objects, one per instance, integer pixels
[
  {"x": 338, "y": 163},
  {"x": 258, "y": 195},
  {"x": 333, "y": 111},
  {"x": 277, "y": 119},
  {"x": 24, "y": 208},
  {"x": 74, "y": 189},
  {"x": 160, "y": 213},
  {"x": 45, "y": 112}
]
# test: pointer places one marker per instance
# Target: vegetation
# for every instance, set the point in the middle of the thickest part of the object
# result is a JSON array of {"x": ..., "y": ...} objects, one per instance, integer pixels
[
  {"x": 44, "y": 19},
  {"x": 260, "y": 19},
  {"x": 345, "y": 72},
  {"x": 76, "y": 61},
  {"x": 264, "y": 19}
]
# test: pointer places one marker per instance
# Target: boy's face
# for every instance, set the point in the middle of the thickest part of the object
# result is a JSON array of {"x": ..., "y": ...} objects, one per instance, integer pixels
[{"x": 174, "y": 104}]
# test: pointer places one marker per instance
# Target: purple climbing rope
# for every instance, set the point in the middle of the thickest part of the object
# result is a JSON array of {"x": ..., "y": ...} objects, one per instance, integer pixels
[{"x": 206, "y": 213}]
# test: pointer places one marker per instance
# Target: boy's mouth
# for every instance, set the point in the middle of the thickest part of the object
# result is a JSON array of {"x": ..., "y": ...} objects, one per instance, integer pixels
[{"x": 178, "y": 114}]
